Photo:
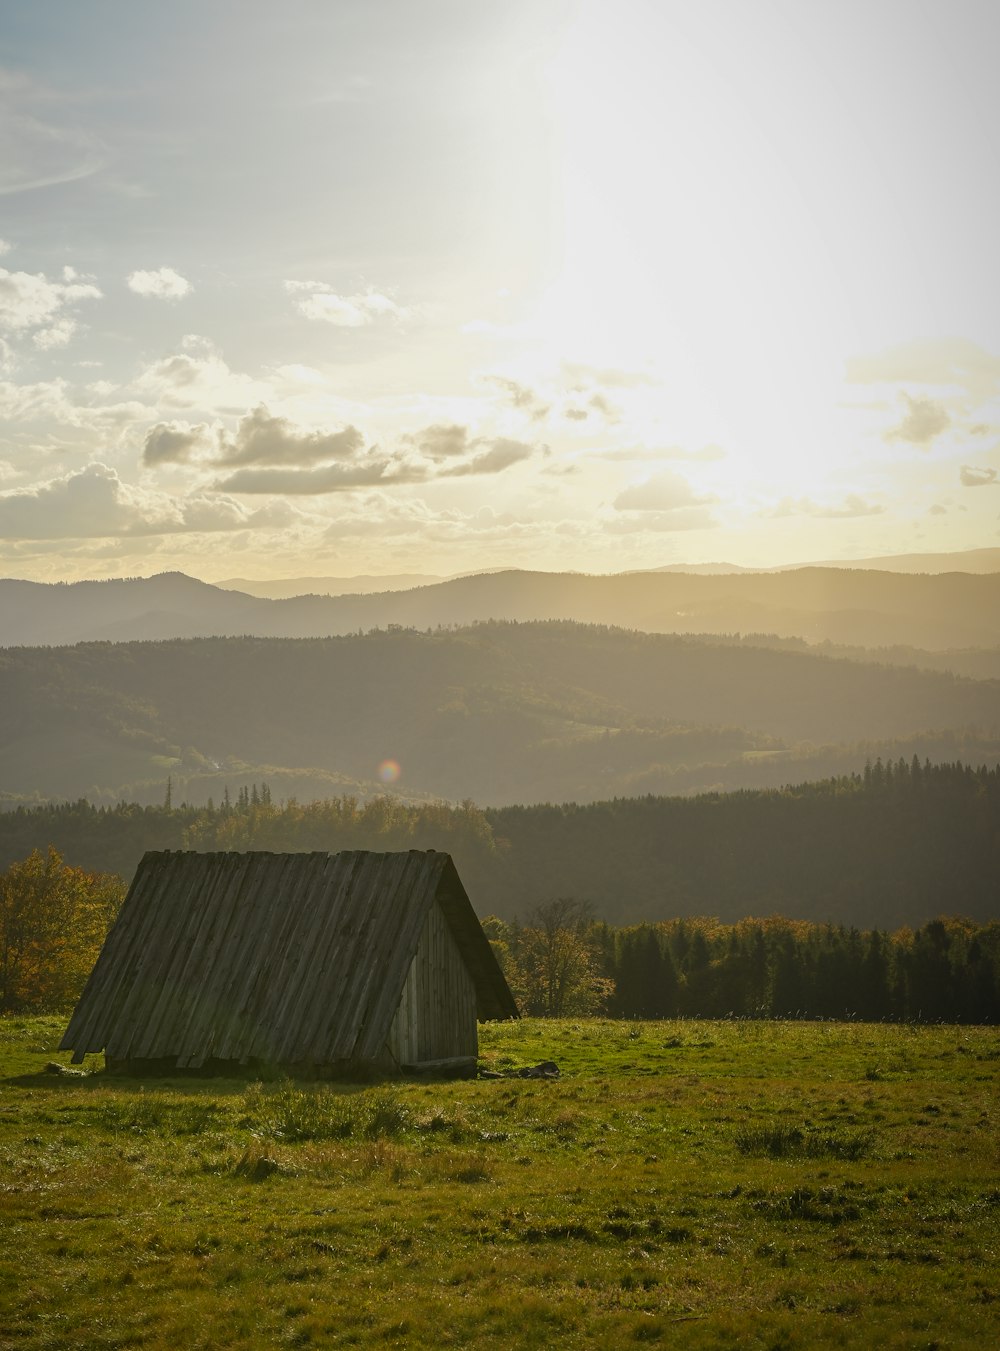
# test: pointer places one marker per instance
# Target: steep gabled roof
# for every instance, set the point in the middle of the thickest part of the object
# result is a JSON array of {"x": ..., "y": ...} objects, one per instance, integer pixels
[{"x": 280, "y": 958}]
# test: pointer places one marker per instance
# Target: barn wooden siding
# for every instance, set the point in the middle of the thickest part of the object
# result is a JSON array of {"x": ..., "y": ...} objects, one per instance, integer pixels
[
  {"x": 436, "y": 1017},
  {"x": 286, "y": 959}
]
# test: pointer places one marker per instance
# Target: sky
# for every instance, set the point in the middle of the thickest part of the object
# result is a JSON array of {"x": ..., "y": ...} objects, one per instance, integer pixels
[{"x": 429, "y": 286}]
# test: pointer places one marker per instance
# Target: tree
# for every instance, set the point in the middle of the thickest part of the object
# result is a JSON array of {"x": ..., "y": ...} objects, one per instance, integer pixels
[
  {"x": 53, "y": 920},
  {"x": 556, "y": 964}
]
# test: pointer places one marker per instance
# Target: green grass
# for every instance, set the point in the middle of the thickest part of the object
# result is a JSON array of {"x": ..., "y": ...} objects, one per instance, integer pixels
[{"x": 688, "y": 1184}]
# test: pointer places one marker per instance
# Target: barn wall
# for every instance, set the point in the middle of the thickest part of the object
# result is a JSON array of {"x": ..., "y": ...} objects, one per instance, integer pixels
[{"x": 436, "y": 1018}]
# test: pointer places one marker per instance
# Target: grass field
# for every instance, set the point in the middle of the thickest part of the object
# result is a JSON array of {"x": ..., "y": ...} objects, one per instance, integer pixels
[{"x": 689, "y": 1184}]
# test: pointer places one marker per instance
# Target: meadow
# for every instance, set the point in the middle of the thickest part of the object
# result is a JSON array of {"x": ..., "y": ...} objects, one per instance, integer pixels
[{"x": 695, "y": 1184}]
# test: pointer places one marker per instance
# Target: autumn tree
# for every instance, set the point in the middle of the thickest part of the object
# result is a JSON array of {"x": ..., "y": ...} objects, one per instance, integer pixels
[
  {"x": 555, "y": 962},
  {"x": 53, "y": 919}
]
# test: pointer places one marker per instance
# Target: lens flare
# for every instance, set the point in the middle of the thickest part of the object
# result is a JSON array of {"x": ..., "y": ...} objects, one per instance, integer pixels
[{"x": 389, "y": 771}]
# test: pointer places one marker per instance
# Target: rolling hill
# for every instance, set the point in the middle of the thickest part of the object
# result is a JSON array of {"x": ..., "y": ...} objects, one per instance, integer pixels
[{"x": 499, "y": 713}]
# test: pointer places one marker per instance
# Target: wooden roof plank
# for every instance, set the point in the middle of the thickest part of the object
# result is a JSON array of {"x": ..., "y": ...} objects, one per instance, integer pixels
[
  {"x": 261, "y": 899},
  {"x": 324, "y": 977}
]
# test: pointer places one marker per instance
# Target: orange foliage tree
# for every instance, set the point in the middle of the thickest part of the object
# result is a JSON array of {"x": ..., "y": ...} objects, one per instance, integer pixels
[{"x": 53, "y": 920}]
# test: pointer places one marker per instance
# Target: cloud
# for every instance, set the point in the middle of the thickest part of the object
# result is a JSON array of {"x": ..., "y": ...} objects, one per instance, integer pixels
[
  {"x": 443, "y": 440},
  {"x": 263, "y": 439},
  {"x": 161, "y": 284},
  {"x": 93, "y": 503},
  {"x": 29, "y": 300},
  {"x": 931, "y": 361},
  {"x": 379, "y": 515},
  {"x": 924, "y": 420},
  {"x": 316, "y": 300},
  {"x": 36, "y": 153},
  {"x": 663, "y": 492},
  {"x": 198, "y": 377},
  {"x": 521, "y": 397},
  {"x": 679, "y": 518},
  {"x": 259, "y": 439},
  {"x": 5, "y": 247},
  {"x": 177, "y": 443},
  {"x": 501, "y": 455},
  {"x": 72, "y": 406},
  {"x": 852, "y": 506},
  {"x": 376, "y": 471},
  {"x": 329, "y": 478},
  {"x": 973, "y": 477},
  {"x": 601, "y": 404},
  {"x": 610, "y": 376},
  {"x": 58, "y": 335}
]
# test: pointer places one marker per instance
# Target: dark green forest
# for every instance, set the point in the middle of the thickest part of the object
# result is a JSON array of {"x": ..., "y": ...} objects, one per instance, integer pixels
[
  {"x": 500, "y": 713},
  {"x": 947, "y": 970},
  {"x": 896, "y": 845}
]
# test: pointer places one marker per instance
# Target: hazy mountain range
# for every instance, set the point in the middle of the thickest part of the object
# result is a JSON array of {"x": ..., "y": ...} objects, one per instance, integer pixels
[
  {"x": 498, "y": 713},
  {"x": 968, "y": 560},
  {"x": 865, "y": 608}
]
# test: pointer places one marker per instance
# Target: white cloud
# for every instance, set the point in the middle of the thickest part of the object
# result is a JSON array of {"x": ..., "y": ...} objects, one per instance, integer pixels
[
  {"x": 198, "y": 377},
  {"x": 94, "y": 503},
  {"x": 29, "y": 300},
  {"x": 5, "y": 247},
  {"x": 973, "y": 477},
  {"x": 163, "y": 283},
  {"x": 316, "y": 300},
  {"x": 58, "y": 335}
]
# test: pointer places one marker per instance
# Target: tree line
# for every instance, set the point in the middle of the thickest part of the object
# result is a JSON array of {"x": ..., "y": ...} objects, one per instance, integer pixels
[
  {"x": 562, "y": 962},
  {"x": 891, "y": 846}
]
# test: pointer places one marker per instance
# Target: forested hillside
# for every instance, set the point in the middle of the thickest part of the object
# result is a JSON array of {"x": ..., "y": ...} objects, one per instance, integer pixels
[
  {"x": 499, "y": 713},
  {"x": 895, "y": 845}
]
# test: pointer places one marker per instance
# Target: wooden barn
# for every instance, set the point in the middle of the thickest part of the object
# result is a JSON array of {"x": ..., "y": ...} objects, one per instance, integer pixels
[{"x": 318, "y": 963}]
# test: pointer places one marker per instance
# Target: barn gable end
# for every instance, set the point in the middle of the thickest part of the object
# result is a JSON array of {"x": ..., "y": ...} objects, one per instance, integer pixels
[
  {"x": 305, "y": 961},
  {"x": 436, "y": 1017}
]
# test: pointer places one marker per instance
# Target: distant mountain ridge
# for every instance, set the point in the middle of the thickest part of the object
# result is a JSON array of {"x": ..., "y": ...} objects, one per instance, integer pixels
[
  {"x": 963, "y": 560},
  {"x": 966, "y": 560},
  {"x": 867, "y": 609},
  {"x": 362, "y": 585}
]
